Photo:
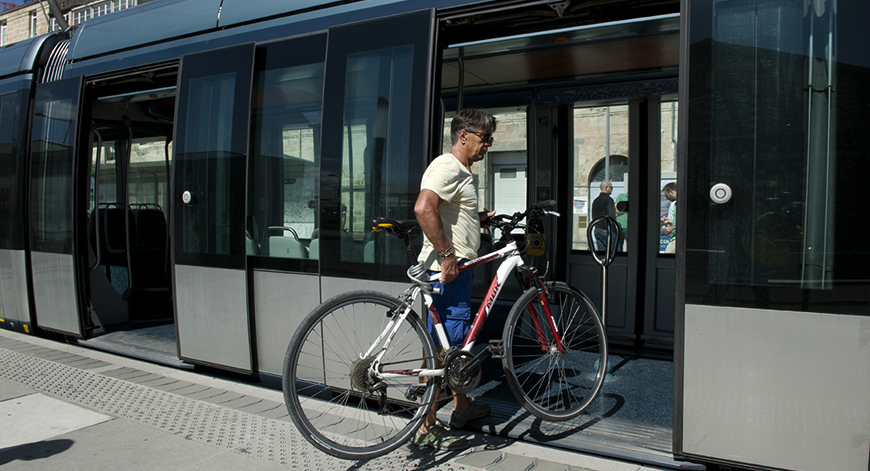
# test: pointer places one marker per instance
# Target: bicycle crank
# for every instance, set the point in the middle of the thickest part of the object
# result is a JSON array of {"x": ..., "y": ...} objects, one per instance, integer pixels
[{"x": 460, "y": 378}]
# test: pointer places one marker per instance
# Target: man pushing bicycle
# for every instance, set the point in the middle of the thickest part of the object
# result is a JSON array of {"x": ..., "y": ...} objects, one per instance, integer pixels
[{"x": 446, "y": 210}]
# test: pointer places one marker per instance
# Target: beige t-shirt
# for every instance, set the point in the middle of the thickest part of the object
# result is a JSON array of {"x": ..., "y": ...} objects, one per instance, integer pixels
[{"x": 454, "y": 184}]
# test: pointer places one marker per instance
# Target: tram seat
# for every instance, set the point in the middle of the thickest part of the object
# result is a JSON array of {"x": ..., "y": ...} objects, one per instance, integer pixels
[
  {"x": 369, "y": 252},
  {"x": 150, "y": 268},
  {"x": 286, "y": 247},
  {"x": 314, "y": 249},
  {"x": 386, "y": 248},
  {"x": 152, "y": 229},
  {"x": 251, "y": 247},
  {"x": 113, "y": 236}
]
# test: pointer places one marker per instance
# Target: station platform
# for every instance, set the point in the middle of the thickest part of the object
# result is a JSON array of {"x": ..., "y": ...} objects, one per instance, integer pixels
[{"x": 69, "y": 407}]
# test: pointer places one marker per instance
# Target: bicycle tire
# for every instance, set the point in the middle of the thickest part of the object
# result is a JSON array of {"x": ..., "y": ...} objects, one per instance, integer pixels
[
  {"x": 551, "y": 385},
  {"x": 321, "y": 393}
]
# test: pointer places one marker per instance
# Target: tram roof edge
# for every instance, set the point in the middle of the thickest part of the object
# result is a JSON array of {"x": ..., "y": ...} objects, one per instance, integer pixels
[
  {"x": 167, "y": 20},
  {"x": 22, "y": 56},
  {"x": 150, "y": 22}
]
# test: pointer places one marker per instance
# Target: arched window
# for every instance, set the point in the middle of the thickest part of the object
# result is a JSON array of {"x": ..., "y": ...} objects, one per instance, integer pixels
[{"x": 618, "y": 170}]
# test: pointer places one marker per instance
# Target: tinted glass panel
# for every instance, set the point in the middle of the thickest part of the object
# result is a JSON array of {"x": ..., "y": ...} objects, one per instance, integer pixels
[
  {"x": 667, "y": 199},
  {"x": 284, "y": 169},
  {"x": 8, "y": 163},
  {"x": 211, "y": 151},
  {"x": 775, "y": 114},
  {"x": 55, "y": 122},
  {"x": 600, "y": 154},
  {"x": 375, "y": 162},
  {"x": 375, "y": 141}
]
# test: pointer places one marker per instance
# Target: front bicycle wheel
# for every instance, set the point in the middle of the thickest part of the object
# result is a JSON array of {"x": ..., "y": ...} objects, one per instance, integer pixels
[
  {"x": 550, "y": 383},
  {"x": 344, "y": 402}
]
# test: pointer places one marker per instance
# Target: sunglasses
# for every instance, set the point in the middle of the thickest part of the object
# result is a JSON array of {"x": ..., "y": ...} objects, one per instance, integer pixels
[{"x": 484, "y": 136}]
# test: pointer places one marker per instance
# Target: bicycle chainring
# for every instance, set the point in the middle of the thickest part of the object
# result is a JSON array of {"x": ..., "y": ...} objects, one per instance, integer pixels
[{"x": 461, "y": 383}]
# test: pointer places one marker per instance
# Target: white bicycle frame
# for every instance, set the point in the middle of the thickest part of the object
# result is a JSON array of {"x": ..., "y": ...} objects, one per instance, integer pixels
[{"x": 512, "y": 260}]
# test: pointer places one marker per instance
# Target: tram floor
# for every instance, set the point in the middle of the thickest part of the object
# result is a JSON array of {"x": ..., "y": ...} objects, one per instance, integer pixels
[
  {"x": 631, "y": 418},
  {"x": 155, "y": 343}
]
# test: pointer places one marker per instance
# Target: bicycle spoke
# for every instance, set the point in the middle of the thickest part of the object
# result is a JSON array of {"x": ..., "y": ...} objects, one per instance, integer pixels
[
  {"x": 337, "y": 397},
  {"x": 554, "y": 385}
]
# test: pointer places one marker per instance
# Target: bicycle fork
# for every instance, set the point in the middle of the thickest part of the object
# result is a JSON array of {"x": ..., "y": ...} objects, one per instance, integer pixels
[{"x": 548, "y": 315}]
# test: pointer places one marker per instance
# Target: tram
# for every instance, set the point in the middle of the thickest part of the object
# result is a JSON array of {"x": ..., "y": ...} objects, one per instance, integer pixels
[{"x": 184, "y": 181}]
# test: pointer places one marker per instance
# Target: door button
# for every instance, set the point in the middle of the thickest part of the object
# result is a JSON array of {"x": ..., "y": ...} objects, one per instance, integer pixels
[
  {"x": 186, "y": 197},
  {"x": 720, "y": 193}
]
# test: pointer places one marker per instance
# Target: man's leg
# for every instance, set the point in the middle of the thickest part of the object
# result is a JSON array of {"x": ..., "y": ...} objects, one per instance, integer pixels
[{"x": 453, "y": 304}]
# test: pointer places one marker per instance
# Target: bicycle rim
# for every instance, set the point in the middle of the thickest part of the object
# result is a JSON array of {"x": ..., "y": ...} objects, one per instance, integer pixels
[
  {"x": 326, "y": 386},
  {"x": 555, "y": 385}
]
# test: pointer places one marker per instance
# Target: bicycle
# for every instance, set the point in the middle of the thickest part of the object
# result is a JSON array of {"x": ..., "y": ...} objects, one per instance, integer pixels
[{"x": 357, "y": 391}]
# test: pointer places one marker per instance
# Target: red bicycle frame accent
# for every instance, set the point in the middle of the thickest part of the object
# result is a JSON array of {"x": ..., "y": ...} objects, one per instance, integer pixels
[{"x": 492, "y": 295}]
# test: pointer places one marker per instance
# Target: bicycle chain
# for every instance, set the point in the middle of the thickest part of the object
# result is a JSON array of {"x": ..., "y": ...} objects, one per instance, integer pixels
[
  {"x": 404, "y": 302},
  {"x": 416, "y": 406}
]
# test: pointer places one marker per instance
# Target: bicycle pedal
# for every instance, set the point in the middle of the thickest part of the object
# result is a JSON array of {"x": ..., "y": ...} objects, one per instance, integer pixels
[{"x": 497, "y": 348}]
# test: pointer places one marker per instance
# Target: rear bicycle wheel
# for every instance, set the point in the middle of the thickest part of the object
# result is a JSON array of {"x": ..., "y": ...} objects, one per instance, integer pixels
[
  {"x": 550, "y": 384},
  {"x": 332, "y": 397}
]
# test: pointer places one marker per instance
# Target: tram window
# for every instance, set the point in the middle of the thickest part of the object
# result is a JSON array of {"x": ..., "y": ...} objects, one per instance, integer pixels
[
  {"x": 51, "y": 164},
  {"x": 792, "y": 146},
  {"x": 600, "y": 150},
  {"x": 377, "y": 176},
  {"x": 8, "y": 162},
  {"x": 285, "y": 156},
  {"x": 667, "y": 208},
  {"x": 148, "y": 174}
]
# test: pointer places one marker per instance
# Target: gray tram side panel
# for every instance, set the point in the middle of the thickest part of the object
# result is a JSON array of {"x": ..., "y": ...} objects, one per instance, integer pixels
[{"x": 802, "y": 380}]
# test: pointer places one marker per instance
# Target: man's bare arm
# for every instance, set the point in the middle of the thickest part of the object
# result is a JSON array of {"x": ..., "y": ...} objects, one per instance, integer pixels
[{"x": 429, "y": 218}]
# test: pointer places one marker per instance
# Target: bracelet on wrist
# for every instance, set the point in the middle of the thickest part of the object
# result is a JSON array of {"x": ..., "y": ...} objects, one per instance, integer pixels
[{"x": 445, "y": 253}]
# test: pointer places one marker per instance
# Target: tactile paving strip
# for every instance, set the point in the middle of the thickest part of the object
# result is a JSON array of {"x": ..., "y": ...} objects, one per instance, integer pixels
[{"x": 265, "y": 438}]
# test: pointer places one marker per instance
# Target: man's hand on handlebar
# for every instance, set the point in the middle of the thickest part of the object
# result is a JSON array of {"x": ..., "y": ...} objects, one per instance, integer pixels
[{"x": 484, "y": 217}]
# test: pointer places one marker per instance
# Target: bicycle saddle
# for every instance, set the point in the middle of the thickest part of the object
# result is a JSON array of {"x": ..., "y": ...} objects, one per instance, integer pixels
[{"x": 391, "y": 225}]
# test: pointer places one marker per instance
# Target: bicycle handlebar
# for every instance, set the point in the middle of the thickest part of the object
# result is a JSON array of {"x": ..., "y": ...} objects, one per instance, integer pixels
[
  {"x": 508, "y": 222},
  {"x": 504, "y": 222}
]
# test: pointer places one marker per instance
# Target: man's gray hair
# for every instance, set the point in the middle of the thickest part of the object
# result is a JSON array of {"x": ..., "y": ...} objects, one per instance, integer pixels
[{"x": 471, "y": 119}]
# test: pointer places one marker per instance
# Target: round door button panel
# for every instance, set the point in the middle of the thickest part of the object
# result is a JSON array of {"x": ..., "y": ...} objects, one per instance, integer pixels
[{"x": 720, "y": 193}]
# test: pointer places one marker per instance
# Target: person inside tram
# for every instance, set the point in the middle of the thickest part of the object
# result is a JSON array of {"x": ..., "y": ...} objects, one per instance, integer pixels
[
  {"x": 622, "y": 219},
  {"x": 604, "y": 205},
  {"x": 669, "y": 222},
  {"x": 447, "y": 212}
]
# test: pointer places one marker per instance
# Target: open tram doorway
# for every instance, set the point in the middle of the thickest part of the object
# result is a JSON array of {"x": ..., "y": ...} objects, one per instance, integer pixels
[
  {"x": 129, "y": 124},
  {"x": 575, "y": 107}
]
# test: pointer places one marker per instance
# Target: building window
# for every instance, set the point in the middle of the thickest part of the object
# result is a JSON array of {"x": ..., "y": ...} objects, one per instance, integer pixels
[
  {"x": 2, "y": 34},
  {"x": 33, "y": 32}
]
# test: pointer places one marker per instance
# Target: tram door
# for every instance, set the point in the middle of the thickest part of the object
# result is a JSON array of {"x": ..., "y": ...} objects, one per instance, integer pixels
[
  {"x": 211, "y": 139},
  {"x": 52, "y": 206},
  {"x": 775, "y": 358},
  {"x": 630, "y": 144}
]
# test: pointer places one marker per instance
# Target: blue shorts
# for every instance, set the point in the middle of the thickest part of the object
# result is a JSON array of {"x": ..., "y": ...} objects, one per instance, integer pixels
[{"x": 454, "y": 308}]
